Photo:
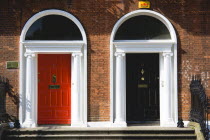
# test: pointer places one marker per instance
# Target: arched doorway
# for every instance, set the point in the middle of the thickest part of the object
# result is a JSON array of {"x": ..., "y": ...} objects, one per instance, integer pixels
[
  {"x": 143, "y": 70},
  {"x": 53, "y": 74}
]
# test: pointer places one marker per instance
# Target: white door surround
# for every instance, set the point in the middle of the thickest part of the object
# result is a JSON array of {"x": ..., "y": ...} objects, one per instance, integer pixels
[
  {"x": 167, "y": 50},
  {"x": 28, "y": 72}
]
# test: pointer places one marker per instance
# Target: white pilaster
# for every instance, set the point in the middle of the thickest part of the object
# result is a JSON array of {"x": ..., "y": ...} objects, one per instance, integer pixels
[
  {"x": 30, "y": 89},
  {"x": 120, "y": 98},
  {"x": 167, "y": 104},
  {"x": 76, "y": 117}
]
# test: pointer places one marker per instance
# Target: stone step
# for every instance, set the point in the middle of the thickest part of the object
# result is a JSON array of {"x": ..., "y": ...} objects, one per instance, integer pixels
[
  {"x": 128, "y": 133},
  {"x": 99, "y": 131},
  {"x": 104, "y": 137}
]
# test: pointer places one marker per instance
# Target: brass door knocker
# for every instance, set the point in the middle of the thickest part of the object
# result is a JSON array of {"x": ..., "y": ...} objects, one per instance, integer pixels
[{"x": 54, "y": 80}]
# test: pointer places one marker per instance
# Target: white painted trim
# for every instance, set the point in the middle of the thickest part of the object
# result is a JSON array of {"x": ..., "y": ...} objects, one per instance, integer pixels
[
  {"x": 144, "y": 46},
  {"x": 161, "y": 79},
  {"x": 154, "y": 14},
  {"x": 53, "y": 47},
  {"x": 58, "y": 47},
  {"x": 52, "y": 12}
]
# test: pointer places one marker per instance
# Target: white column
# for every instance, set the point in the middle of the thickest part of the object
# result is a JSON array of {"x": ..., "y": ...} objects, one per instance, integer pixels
[
  {"x": 76, "y": 117},
  {"x": 120, "y": 96},
  {"x": 167, "y": 114},
  {"x": 30, "y": 91}
]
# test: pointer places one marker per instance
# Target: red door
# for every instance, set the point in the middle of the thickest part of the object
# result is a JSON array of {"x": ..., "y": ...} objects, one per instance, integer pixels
[{"x": 54, "y": 88}]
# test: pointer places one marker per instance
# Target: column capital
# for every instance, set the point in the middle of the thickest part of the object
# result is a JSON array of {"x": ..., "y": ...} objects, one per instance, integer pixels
[
  {"x": 77, "y": 54},
  {"x": 167, "y": 54},
  {"x": 29, "y": 54},
  {"x": 119, "y": 54}
]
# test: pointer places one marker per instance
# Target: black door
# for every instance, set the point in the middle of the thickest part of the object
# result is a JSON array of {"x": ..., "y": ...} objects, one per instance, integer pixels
[{"x": 142, "y": 87}]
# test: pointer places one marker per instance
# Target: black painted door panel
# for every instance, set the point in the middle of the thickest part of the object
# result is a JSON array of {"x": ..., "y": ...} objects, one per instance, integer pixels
[{"x": 142, "y": 87}]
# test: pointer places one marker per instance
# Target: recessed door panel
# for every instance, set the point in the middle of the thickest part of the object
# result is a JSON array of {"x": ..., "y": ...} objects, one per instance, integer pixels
[{"x": 54, "y": 88}]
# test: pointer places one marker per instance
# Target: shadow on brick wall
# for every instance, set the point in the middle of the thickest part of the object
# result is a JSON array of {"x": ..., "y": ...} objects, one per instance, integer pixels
[
  {"x": 192, "y": 16},
  {"x": 104, "y": 13},
  {"x": 7, "y": 89}
]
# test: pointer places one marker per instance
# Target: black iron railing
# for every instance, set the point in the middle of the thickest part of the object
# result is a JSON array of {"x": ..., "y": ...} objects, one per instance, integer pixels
[{"x": 199, "y": 106}]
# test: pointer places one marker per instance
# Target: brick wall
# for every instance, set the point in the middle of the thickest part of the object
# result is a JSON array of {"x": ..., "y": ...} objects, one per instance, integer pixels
[
  {"x": 191, "y": 19},
  {"x": 9, "y": 51}
]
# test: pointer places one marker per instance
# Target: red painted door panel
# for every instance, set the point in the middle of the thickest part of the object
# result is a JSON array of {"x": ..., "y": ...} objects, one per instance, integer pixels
[{"x": 54, "y": 103}]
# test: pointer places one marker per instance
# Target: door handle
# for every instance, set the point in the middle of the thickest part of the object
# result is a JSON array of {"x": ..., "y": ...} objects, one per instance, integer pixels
[{"x": 54, "y": 79}]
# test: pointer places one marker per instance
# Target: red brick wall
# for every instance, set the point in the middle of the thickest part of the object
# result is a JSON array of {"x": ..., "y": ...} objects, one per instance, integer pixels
[
  {"x": 9, "y": 51},
  {"x": 191, "y": 19}
]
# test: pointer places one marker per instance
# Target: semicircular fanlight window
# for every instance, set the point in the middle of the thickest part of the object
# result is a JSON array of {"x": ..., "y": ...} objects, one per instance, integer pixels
[
  {"x": 53, "y": 27},
  {"x": 142, "y": 28}
]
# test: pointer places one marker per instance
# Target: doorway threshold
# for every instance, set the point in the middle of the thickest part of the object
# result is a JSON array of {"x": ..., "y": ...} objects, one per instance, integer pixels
[{"x": 144, "y": 123}]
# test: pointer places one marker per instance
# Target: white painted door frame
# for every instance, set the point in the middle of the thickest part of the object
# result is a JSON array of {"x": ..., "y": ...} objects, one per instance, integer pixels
[
  {"x": 28, "y": 72},
  {"x": 168, "y": 71}
]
